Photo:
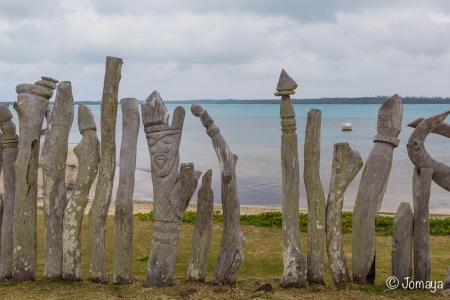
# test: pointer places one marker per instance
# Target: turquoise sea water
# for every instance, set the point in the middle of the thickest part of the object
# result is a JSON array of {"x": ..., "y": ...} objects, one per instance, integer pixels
[{"x": 253, "y": 132}]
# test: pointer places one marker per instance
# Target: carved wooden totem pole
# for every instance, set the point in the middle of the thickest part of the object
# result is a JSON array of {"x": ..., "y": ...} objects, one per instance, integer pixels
[
  {"x": 88, "y": 155},
  {"x": 372, "y": 188},
  {"x": 103, "y": 192},
  {"x": 172, "y": 189},
  {"x": 426, "y": 169},
  {"x": 295, "y": 268},
  {"x": 10, "y": 143},
  {"x": 402, "y": 236},
  {"x": 32, "y": 102},
  {"x": 230, "y": 255},
  {"x": 346, "y": 164},
  {"x": 53, "y": 160}
]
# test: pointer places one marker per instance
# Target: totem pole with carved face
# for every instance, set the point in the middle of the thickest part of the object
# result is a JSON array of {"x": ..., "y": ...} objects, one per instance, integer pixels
[{"x": 172, "y": 189}]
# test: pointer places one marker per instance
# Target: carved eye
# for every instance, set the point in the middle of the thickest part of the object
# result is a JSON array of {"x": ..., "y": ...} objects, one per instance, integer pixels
[
  {"x": 151, "y": 141},
  {"x": 167, "y": 140}
]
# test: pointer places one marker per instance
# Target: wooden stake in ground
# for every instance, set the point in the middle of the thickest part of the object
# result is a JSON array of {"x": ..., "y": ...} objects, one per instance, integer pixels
[
  {"x": 88, "y": 155},
  {"x": 346, "y": 164},
  {"x": 172, "y": 190},
  {"x": 123, "y": 218},
  {"x": 402, "y": 236},
  {"x": 421, "y": 201},
  {"x": 10, "y": 143},
  {"x": 53, "y": 160},
  {"x": 316, "y": 199},
  {"x": 372, "y": 188},
  {"x": 295, "y": 268},
  {"x": 230, "y": 255},
  {"x": 103, "y": 191},
  {"x": 32, "y": 102},
  {"x": 201, "y": 238}
]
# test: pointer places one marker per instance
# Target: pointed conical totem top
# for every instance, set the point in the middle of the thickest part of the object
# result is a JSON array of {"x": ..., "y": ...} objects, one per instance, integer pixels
[{"x": 286, "y": 85}]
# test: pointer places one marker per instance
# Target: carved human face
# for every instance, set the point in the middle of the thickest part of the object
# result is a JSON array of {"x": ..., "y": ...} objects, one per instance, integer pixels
[{"x": 163, "y": 148}]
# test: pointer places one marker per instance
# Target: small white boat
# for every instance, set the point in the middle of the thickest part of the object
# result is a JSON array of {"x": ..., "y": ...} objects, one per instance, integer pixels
[{"x": 347, "y": 126}]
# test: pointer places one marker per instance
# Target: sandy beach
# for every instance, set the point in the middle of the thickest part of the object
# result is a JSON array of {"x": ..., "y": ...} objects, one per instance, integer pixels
[{"x": 146, "y": 205}]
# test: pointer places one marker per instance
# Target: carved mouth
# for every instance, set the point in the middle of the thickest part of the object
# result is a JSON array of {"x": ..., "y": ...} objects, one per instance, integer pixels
[{"x": 160, "y": 161}]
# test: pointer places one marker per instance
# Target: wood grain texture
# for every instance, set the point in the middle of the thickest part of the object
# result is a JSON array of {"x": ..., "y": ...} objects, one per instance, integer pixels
[
  {"x": 103, "y": 191},
  {"x": 53, "y": 161},
  {"x": 442, "y": 129},
  {"x": 315, "y": 198},
  {"x": 123, "y": 218},
  {"x": 230, "y": 254},
  {"x": 88, "y": 155},
  {"x": 201, "y": 238},
  {"x": 402, "y": 237},
  {"x": 346, "y": 165},
  {"x": 10, "y": 143},
  {"x": 421, "y": 201},
  {"x": 372, "y": 188},
  {"x": 172, "y": 189},
  {"x": 32, "y": 102}
]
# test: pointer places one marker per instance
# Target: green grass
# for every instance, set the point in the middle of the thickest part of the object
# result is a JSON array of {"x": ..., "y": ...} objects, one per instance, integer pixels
[
  {"x": 384, "y": 224},
  {"x": 263, "y": 263}
]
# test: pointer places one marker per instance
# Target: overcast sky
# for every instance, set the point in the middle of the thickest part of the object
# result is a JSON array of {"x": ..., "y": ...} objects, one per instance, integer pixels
[{"x": 221, "y": 49}]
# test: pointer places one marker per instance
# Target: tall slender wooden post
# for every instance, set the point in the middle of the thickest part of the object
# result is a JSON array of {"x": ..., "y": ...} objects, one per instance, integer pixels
[
  {"x": 10, "y": 143},
  {"x": 421, "y": 197},
  {"x": 316, "y": 199},
  {"x": 103, "y": 192},
  {"x": 201, "y": 238},
  {"x": 172, "y": 189},
  {"x": 53, "y": 160},
  {"x": 346, "y": 164},
  {"x": 295, "y": 268},
  {"x": 372, "y": 188},
  {"x": 88, "y": 155},
  {"x": 32, "y": 102},
  {"x": 123, "y": 219},
  {"x": 402, "y": 237},
  {"x": 230, "y": 255}
]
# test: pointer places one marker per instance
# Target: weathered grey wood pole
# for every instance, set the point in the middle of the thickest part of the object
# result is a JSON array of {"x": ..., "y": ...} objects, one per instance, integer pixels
[
  {"x": 447, "y": 281},
  {"x": 123, "y": 219},
  {"x": 88, "y": 155},
  {"x": 201, "y": 238},
  {"x": 419, "y": 155},
  {"x": 172, "y": 190},
  {"x": 421, "y": 201},
  {"x": 230, "y": 255},
  {"x": 294, "y": 261},
  {"x": 103, "y": 191},
  {"x": 1, "y": 154},
  {"x": 372, "y": 188},
  {"x": 402, "y": 237},
  {"x": 32, "y": 102},
  {"x": 53, "y": 160},
  {"x": 346, "y": 164},
  {"x": 315, "y": 197},
  {"x": 10, "y": 143}
]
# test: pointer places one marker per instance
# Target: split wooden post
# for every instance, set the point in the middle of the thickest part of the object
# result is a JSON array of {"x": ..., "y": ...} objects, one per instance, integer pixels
[
  {"x": 346, "y": 164},
  {"x": 421, "y": 200},
  {"x": 230, "y": 255},
  {"x": 402, "y": 237},
  {"x": 447, "y": 281},
  {"x": 103, "y": 191},
  {"x": 372, "y": 188},
  {"x": 10, "y": 143},
  {"x": 201, "y": 238},
  {"x": 316, "y": 199},
  {"x": 32, "y": 102},
  {"x": 53, "y": 161},
  {"x": 172, "y": 189},
  {"x": 123, "y": 218},
  {"x": 88, "y": 155},
  {"x": 294, "y": 261}
]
